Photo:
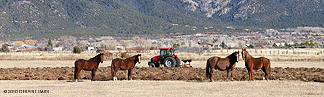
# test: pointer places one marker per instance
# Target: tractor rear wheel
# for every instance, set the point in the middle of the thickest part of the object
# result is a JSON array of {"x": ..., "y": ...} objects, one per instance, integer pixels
[
  {"x": 178, "y": 62},
  {"x": 169, "y": 62}
]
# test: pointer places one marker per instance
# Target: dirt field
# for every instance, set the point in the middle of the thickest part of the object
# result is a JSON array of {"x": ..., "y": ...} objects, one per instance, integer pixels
[
  {"x": 162, "y": 73},
  {"x": 287, "y": 79}
]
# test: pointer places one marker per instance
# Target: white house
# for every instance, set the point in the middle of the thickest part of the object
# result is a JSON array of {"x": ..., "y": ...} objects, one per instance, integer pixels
[
  {"x": 92, "y": 48},
  {"x": 120, "y": 48},
  {"x": 57, "y": 48}
]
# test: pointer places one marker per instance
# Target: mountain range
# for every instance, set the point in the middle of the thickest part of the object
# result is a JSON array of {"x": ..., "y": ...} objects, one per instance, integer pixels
[{"x": 52, "y": 18}]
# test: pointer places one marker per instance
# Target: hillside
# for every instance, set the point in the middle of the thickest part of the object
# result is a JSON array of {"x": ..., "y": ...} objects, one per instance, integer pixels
[{"x": 52, "y": 18}]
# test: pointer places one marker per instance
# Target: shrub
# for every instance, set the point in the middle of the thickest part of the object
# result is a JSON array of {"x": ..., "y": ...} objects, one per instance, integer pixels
[
  {"x": 100, "y": 51},
  {"x": 76, "y": 49},
  {"x": 4, "y": 48}
]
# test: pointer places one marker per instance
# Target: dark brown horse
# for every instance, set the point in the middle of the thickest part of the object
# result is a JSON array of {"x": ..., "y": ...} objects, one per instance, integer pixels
[
  {"x": 256, "y": 63},
  {"x": 88, "y": 65},
  {"x": 127, "y": 64},
  {"x": 222, "y": 64}
]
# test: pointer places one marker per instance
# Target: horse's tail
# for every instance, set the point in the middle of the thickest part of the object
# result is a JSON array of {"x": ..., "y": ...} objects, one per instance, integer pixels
[
  {"x": 112, "y": 68},
  {"x": 207, "y": 69},
  {"x": 269, "y": 67},
  {"x": 267, "y": 63},
  {"x": 75, "y": 69}
]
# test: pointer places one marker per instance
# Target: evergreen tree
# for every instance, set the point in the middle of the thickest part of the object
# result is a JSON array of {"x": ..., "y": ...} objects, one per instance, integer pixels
[
  {"x": 49, "y": 46},
  {"x": 222, "y": 45},
  {"x": 274, "y": 45},
  {"x": 250, "y": 46}
]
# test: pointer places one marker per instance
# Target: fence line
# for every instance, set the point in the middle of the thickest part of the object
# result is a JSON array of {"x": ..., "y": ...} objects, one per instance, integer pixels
[
  {"x": 272, "y": 51},
  {"x": 197, "y": 50}
]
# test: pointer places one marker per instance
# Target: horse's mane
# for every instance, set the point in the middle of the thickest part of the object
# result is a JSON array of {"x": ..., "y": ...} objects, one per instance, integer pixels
[
  {"x": 132, "y": 57},
  {"x": 232, "y": 55},
  {"x": 96, "y": 56},
  {"x": 248, "y": 54}
]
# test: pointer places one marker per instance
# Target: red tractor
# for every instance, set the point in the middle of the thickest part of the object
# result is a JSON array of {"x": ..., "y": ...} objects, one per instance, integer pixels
[{"x": 166, "y": 58}]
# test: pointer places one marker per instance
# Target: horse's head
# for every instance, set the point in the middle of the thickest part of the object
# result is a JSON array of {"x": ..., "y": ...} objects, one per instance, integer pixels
[
  {"x": 101, "y": 57},
  {"x": 236, "y": 55},
  {"x": 244, "y": 53},
  {"x": 138, "y": 58}
]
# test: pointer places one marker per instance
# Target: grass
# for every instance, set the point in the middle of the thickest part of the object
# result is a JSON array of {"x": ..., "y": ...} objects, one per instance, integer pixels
[{"x": 283, "y": 55}]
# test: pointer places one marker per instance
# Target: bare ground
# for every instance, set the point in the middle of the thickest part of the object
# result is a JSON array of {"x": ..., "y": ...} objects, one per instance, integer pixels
[
  {"x": 287, "y": 79},
  {"x": 163, "y": 88}
]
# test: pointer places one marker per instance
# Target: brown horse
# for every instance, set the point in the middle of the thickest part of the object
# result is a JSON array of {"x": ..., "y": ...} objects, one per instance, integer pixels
[
  {"x": 256, "y": 63},
  {"x": 88, "y": 65},
  {"x": 127, "y": 64},
  {"x": 222, "y": 64}
]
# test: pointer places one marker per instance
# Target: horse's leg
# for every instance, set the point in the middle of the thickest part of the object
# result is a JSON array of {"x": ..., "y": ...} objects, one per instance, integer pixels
[
  {"x": 250, "y": 74},
  {"x": 115, "y": 73},
  {"x": 112, "y": 69},
  {"x": 230, "y": 72},
  {"x": 211, "y": 75},
  {"x": 130, "y": 74},
  {"x": 76, "y": 74},
  {"x": 227, "y": 74},
  {"x": 266, "y": 72},
  {"x": 93, "y": 74},
  {"x": 232, "y": 75}
]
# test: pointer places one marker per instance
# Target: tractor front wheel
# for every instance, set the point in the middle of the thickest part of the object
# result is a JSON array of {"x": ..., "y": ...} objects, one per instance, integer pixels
[
  {"x": 169, "y": 62},
  {"x": 151, "y": 64}
]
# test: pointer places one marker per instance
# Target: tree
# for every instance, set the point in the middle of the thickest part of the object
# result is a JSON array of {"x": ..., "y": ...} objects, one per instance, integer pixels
[
  {"x": 250, "y": 46},
  {"x": 124, "y": 44},
  {"x": 222, "y": 45},
  {"x": 100, "y": 51},
  {"x": 76, "y": 49},
  {"x": 140, "y": 42},
  {"x": 67, "y": 42},
  {"x": 4, "y": 48},
  {"x": 274, "y": 45},
  {"x": 176, "y": 45},
  {"x": 49, "y": 46},
  {"x": 307, "y": 43},
  {"x": 311, "y": 44},
  {"x": 311, "y": 41}
]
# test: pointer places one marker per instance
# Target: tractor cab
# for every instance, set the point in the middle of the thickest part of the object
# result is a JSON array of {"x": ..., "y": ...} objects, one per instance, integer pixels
[{"x": 166, "y": 52}]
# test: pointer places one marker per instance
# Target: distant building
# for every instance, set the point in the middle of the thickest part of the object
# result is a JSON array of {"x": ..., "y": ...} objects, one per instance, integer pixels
[
  {"x": 29, "y": 46},
  {"x": 289, "y": 42},
  {"x": 120, "y": 48},
  {"x": 57, "y": 48},
  {"x": 280, "y": 44},
  {"x": 92, "y": 48},
  {"x": 231, "y": 44},
  {"x": 10, "y": 47}
]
